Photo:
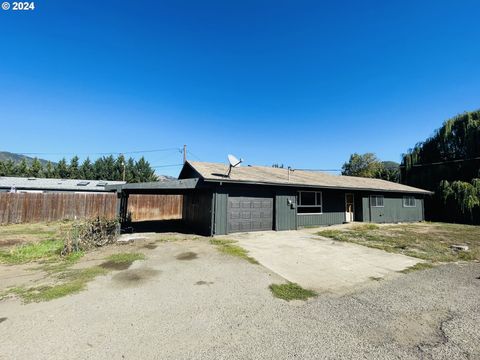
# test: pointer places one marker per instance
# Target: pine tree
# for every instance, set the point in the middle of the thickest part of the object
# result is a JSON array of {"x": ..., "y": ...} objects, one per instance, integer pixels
[
  {"x": 7, "y": 168},
  {"x": 49, "y": 170},
  {"x": 86, "y": 170},
  {"x": 73, "y": 170},
  {"x": 36, "y": 169},
  {"x": 21, "y": 169},
  {"x": 144, "y": 171},
  {"x": 61, "y": 170},
  {"x": 130, "y": 171},
  {"x": 120, "y": 167}
]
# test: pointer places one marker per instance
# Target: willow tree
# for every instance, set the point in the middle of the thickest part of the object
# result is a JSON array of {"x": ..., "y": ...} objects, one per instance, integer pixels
[{"x": 448, "y": 163}]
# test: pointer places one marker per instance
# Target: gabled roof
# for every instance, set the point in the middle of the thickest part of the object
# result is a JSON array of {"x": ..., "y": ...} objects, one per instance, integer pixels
[
  {"x": 216, "y": 172},
  {"x": 23, "y": 183}
]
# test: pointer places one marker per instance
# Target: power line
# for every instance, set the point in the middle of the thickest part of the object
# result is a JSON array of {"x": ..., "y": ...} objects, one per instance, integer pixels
[
  {"x": 336, "y": 170},
  {"x": 195, "y": 156},
  {"x": 104, "y": 153},
  {"x": 164, "y": 166}
]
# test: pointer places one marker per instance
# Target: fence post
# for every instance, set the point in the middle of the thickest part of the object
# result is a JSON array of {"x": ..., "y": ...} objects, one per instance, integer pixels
[{"x": 122, "y": 203}]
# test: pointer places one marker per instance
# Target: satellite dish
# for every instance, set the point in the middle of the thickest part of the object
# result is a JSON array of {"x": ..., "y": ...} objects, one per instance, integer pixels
[{"x": 234, "y": 162}]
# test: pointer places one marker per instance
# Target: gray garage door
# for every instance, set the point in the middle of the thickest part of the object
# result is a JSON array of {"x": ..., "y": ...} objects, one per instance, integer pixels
[{"x": 250, "y": 214}]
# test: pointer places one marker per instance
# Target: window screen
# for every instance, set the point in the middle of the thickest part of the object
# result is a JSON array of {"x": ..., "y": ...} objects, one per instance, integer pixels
[
  {"x": 376, "y": 200},
  {"x": 409, "y": 201}
]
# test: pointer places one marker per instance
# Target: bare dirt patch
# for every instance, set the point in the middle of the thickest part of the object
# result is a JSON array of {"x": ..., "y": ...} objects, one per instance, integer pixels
[{"x": 11, "y": 242}]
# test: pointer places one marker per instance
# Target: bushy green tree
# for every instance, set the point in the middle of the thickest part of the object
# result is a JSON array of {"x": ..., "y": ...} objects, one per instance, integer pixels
[
  {"x": 448, "y": 163},
  {"x": 366, "y": 165}
]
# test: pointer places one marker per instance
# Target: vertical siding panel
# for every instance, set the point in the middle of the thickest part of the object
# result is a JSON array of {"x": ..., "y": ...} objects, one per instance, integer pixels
[{"x": 221, "y": 203}]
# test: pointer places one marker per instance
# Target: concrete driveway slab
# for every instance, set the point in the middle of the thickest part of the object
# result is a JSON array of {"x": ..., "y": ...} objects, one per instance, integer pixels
[{"x": 319, "y": 263}]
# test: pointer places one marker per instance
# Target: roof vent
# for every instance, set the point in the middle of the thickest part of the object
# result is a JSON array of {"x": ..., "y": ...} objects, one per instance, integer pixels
[
  {"x": 83, "y": 183},
  {"x": 102, "y": 183},
  {"x": 32, "y": 178}
]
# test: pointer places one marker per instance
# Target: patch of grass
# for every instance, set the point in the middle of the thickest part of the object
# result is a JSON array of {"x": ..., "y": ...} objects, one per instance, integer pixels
[
  {"x": 427, "y": 241},
  {"x": 418, "y": 266},
  {"x": 291, "y": 291},
  {"x": 228, "y": 247},
  {"x": 35, "y": 231},
  {"x": 21, "y": 254},
  {"x": 122, "y": 258},
  {"x": 74, "y": 282},
  {"x": 333, "y": 234},
  {"x": 56, "y": 265},
  {"x": 364, "y": 227},
  {"x": 41, "y": 241},
  {"x": 121, "y": 261}
]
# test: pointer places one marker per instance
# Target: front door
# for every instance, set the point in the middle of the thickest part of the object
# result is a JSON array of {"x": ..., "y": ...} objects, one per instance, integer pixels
[{"x": 349, "y": 203}]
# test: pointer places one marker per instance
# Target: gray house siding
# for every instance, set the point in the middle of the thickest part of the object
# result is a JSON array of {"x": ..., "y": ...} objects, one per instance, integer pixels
[
  {"x": 285, "y": 215},
  {"x": 220, "y": 201},
  {"x": 395, "y": 211},
  {"x": 365, "y": 208},
  {"x": 333, "y": 210}
]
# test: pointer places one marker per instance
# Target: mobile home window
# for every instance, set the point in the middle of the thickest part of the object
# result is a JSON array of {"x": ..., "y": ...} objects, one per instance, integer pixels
[
  {"x": 376, "y": 200},
  {"x": 409, "y": 201},
  {"x": 309, "y": 202}
]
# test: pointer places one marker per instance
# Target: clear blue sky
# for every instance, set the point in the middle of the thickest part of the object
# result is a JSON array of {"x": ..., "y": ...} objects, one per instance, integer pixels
[{"x": 303, "y": 83}]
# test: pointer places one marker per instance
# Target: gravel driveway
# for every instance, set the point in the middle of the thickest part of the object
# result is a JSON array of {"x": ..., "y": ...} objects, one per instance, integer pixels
[{"x": 208, "y": 305}]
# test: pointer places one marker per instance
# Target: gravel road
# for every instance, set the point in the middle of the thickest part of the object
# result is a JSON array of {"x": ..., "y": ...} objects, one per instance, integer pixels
[{"x": 207, "y": 305}]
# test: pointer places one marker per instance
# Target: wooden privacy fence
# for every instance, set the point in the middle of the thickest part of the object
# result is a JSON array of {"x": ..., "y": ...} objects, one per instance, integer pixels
[
  {"x": 38, "y": 207},
  {"x": 155, "y": 207}
]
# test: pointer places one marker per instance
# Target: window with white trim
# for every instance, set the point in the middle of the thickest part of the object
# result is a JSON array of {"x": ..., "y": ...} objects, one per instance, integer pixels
[
  {"x": 309, "y": 202},
  {"x": 376, "y": 200},
  {"x": 409, "y": 201}
]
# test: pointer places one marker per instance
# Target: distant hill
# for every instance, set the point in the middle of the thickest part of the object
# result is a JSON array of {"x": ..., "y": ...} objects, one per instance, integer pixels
[
  {"x": 165, "y": 177},
  {"x": 16, "y": 158}
]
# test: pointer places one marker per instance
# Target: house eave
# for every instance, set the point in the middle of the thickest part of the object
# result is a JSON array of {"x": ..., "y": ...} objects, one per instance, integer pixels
[{"x": 422, "y": 192}]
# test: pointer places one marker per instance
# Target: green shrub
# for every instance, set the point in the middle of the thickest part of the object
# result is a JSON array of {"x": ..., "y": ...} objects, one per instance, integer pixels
[{"x": 291, "y": 291}]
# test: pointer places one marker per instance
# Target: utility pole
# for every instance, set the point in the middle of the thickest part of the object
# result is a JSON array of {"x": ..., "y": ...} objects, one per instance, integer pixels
[
  {"x": 184, "y": 154},
  {"x": 123, "y": 166}
]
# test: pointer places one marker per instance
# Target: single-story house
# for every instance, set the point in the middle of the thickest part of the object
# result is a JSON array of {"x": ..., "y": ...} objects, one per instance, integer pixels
[
  {"x": 252, "y": 198},
  {"x": 41, "y": 185}
]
